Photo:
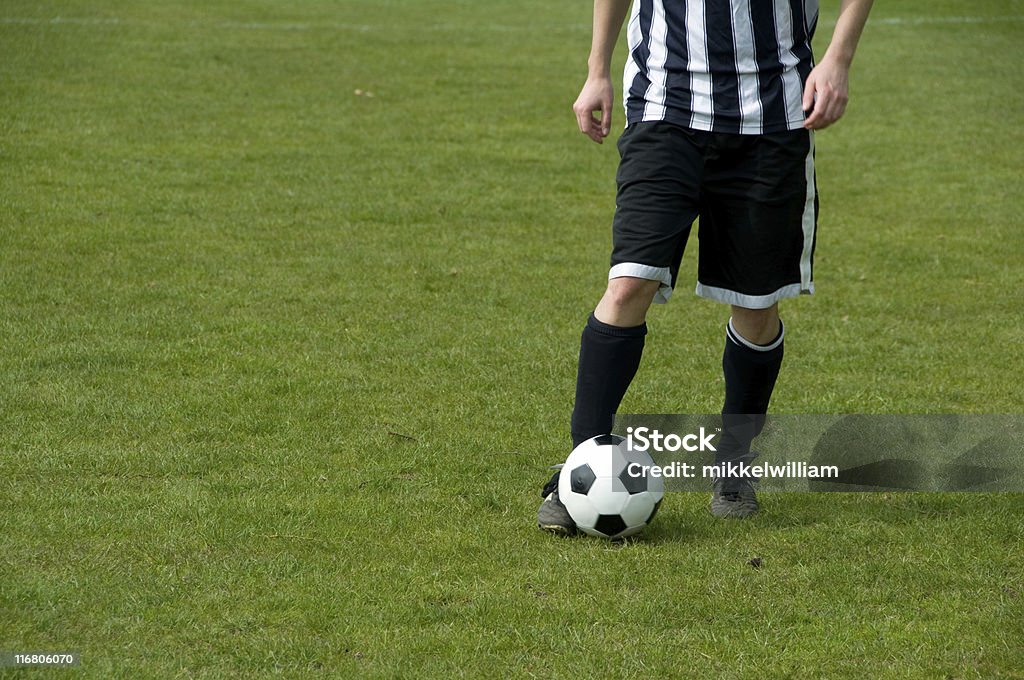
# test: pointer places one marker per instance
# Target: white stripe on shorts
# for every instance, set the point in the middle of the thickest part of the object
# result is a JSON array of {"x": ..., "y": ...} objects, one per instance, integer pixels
[
  {"x": 731, "y": 297},
  {"x": 806, "y": 278}
]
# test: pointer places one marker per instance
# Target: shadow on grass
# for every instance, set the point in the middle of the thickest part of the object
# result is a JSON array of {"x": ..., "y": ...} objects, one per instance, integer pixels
[{"x": 685, "y": 518}]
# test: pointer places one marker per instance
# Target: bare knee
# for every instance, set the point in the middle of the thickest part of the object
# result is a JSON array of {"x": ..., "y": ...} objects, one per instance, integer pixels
[
  {"x": 759, "y": 326},
  {"x": 626, "y": 301}
]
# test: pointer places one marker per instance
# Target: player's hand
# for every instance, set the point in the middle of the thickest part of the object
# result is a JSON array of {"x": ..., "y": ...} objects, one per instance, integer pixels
[
  {"x": 826, "y": 94},
  {"x": 596, "y": 96}
]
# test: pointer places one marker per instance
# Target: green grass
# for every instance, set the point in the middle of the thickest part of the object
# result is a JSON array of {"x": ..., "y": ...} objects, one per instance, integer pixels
[{"x": 281, "y": 366}]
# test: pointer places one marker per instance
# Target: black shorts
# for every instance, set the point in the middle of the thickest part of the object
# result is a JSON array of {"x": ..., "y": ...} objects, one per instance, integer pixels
[{"x": 756, "y": 199}]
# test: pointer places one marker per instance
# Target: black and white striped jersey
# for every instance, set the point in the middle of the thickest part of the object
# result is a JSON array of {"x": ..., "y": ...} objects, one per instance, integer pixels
[{"x": 719, "y": 65}]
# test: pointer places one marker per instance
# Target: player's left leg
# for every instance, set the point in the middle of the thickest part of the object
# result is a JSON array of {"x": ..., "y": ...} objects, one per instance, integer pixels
[
  {"x": 759, "y": 326},
  {"x": 757, "y": 236},
  {"x": 751, "y": 360},
  {"x": 750, "y": 363}
]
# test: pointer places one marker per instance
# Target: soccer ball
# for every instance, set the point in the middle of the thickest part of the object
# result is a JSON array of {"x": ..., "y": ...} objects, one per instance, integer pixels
[{"x": 601, "y": 495}]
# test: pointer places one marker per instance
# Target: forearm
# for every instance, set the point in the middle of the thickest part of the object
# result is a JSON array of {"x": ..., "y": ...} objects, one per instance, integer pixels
[
  {"x": 608, "y": 18},
  {"x": 853, "y": 14}
]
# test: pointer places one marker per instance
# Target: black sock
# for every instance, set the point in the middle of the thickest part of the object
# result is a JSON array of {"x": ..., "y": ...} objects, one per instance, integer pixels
[
  {"x": 609, "y": 358},
  {"x": 750, "y": 374}
]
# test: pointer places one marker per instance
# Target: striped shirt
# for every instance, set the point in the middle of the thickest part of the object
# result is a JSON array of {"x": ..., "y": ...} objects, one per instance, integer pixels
[{"x": 734, "y": 66}]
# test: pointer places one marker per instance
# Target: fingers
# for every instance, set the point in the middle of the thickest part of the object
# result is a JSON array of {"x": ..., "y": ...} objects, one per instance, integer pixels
[
  {"x": 828, "y": 102},
  {"x": 808, "y": 102},
  {"x": 828, "y": 108},
  {"x": 584, "y": 121},
  {"x": 595, "y": 128},
  {"x": 591, "y": 127},
  {"x": 606, "y": 119}
]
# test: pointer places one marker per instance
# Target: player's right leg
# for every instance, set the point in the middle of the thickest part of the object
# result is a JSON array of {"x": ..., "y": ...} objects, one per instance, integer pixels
[
  {"x": 625, "y": 301},
  {"x": 610, "y": 349},
  {"x": 657, "y": 202},
  {"x": 611, "y": 346}
]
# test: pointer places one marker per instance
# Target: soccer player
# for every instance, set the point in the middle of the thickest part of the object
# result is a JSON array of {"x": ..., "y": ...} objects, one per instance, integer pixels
[{"x": 722, "y": 98}]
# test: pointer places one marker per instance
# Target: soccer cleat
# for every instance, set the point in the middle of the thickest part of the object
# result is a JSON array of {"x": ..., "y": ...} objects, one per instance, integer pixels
[
  {"x": 552, "y": 515},
  {"x": 736, "y": 501}
]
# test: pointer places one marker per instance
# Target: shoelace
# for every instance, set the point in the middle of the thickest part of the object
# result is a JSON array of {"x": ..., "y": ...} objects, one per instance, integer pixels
[
  {"x": 733, "y": 493},
  {"x": 552, "y": 484}
]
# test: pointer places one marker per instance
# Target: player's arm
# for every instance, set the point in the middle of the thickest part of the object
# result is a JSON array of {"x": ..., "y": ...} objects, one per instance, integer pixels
[
  {"x": 598, "y": 92},
  {"x": 827, "y": 88}
]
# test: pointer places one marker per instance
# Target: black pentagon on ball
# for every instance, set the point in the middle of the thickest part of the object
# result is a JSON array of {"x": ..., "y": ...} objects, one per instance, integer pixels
[
  {"x": 653, "y": 512},
  {"x": 609, "y": 525},
  {"x": 581, "y": 479},
  {"x": 633, "y": 484},
  {"x": 608, "y": 440}
]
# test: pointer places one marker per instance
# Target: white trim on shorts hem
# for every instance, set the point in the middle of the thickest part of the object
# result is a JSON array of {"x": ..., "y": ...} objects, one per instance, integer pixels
[
  {"x": 645, "y": 271},
  {"x": 731, "y": 297}
]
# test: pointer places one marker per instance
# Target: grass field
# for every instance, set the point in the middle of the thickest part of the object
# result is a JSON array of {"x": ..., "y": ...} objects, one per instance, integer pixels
[{"x": 282, "y": 364}]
